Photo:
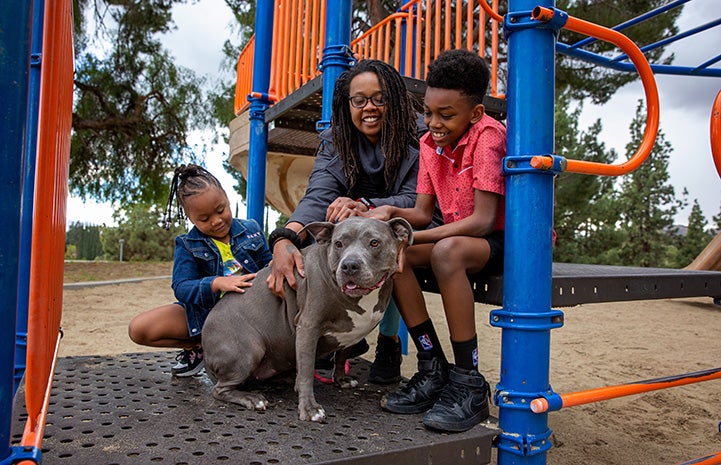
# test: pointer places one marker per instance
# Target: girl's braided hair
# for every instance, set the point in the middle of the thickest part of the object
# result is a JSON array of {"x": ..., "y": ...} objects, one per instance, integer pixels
[
  {"x": 188, "y": 180},
  {"x": 399, "y": 128}
]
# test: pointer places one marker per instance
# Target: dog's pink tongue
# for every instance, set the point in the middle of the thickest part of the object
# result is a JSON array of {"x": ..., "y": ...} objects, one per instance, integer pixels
[{"x": 351, "y": 286}]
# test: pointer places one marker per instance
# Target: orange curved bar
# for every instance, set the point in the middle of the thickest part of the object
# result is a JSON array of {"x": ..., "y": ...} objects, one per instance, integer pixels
[
  {"x": 649, "y": 86},
  {"x": 571, "y": 399},
  {"x": 716, "y": 132},
  {"x": 490, "y": 11},
  {"x": 713, "y": 459}
]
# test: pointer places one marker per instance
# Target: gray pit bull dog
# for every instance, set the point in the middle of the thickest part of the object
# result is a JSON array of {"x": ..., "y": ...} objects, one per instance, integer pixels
[{"x": 346, "y": 289}]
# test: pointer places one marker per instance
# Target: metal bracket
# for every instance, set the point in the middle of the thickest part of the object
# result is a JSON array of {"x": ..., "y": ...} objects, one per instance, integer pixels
[
  {"x": 20, "y": 453},
  {"x": 526, "y": 445},
  {"x": 538, "y": 321},
  {"x": 337, "y": 55},
  {"x": 259, "y": 103},
  {"x": 517, "y": 20},
  {"x": 522, "y": 164},
  {"x": 36, "y": 59}
]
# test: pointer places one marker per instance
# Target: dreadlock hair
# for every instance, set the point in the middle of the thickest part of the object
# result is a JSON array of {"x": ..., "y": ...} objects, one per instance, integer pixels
[
  {"x": 460, "y": 70},
  {"x": 188, "y": 180},
  {"x": 399, "y": 128}
]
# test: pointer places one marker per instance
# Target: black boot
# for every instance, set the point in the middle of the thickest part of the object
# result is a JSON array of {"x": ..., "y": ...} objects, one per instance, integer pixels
[
  {"x": 422, "y": 390},
  {"x": 386, "y": 368},
  {"x": 463, "y": 403}
]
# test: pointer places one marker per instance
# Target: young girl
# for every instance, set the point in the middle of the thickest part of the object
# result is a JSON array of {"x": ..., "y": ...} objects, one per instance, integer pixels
[{"x": 219, "y": 254}]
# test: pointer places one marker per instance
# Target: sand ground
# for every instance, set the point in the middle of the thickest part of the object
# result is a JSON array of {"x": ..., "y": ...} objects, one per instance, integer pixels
[{"x": 599, "y": 345}]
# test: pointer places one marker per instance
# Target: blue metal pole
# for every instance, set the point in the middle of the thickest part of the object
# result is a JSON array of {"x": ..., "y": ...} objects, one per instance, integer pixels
[
  {"x": 526, "y": 317},
  {"x": 336, "y": 55},
  {"x": 258, "y": 143},
  {"x": 26, "y": 227},
  {"x": 15, "y": 36}
]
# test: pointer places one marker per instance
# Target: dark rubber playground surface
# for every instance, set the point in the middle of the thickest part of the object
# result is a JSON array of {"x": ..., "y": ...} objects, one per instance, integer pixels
[{"x": 127, "y": 409}]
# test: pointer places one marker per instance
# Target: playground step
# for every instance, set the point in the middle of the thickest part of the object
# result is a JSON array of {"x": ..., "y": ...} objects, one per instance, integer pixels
[{"x": 127, "y": 409}]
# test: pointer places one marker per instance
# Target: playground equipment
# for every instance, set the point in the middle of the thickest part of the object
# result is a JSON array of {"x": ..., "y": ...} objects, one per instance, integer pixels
[{"x": 530, "y": 286}]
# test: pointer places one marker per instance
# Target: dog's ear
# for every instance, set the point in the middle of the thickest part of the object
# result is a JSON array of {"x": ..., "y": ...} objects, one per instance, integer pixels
[
  {"x": 320, "y": 230},
  {"x": 402, "y": 230}
]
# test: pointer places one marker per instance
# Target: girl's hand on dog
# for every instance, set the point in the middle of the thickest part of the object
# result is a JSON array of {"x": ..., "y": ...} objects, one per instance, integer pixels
[{"x": 234, "y": 283}]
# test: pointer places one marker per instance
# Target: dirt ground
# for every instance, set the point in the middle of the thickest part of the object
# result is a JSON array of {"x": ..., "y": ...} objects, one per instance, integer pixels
[{"x": 599, "y": 345}]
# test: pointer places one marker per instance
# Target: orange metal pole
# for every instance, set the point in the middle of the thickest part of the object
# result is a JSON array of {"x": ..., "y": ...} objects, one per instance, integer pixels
[
  {"x": 304, "y": 69},
  {"x": 436, "y": 33},
  {"x": 313, "y": 66},
  {"x": 492, "y": 12},
  {"x": 447, "y": 25},
  {"x": 716, "y": 132},
  {"x": 469, "y": 27},
  {"x": 494, "y": 46},
  {"x": 650, "y": 89},
  {"x": 541, "y": 404}
]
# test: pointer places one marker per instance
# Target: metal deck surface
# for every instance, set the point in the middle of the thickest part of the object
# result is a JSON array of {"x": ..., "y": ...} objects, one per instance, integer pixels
[
  {"x": 575, "y": 284},
  {"x": 127, "y": 409}
]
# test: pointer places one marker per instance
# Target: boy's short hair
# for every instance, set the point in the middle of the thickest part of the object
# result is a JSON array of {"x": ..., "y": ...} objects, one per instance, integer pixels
[{"x": 460, "y": 70}]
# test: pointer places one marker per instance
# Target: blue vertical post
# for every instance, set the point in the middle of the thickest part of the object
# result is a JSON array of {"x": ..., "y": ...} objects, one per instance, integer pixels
[
  {"x": 26, "y": 227},
  {"x": 336, "y": 54},
  {"x": 15, "y": 34},
  {"x": 526, "y": 318},
  {"x": 258, "y": 143}
]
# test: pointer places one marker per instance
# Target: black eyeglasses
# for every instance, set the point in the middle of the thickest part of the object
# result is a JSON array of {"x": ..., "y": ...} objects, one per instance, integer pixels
[{"x": 360, "y": 101}]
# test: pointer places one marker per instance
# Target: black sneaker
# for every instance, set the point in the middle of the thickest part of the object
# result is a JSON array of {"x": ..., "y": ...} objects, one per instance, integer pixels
[
  {"x": 422, "y": 390},
  {"x": 463, "y": 403},
  {"x": 359, "y": 348},
  {"x": 190, "y": 362},
  {"x": 386, "y": 368}
]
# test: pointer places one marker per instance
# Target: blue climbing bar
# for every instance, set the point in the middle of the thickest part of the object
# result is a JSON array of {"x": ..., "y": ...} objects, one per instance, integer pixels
[
  {"x": 526, "y": 318},
  {"x": 259, "y": 102},
  {"x": 337, "y": 55},
  {"x": 15, "y": 35}
]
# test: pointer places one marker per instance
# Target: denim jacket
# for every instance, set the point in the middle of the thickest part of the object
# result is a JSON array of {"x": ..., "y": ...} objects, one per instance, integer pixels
[{"x": 197, "y": 263}]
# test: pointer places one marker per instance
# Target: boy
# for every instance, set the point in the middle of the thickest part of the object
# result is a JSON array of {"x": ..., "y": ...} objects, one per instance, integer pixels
[{"x": 460, "y": 167}]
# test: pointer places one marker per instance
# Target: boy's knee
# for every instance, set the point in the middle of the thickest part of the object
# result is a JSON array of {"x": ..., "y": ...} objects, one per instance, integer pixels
[{"x": 445, "y": 255}]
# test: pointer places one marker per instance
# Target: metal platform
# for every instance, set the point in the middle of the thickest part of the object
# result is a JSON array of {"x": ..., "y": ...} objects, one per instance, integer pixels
[
  {"x": 575, "y": 284},
  {"x": 127, "y": 409}
]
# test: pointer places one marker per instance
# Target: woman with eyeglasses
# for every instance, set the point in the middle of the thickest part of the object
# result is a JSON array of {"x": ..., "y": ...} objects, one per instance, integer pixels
[{"x": 367, "y": 158}]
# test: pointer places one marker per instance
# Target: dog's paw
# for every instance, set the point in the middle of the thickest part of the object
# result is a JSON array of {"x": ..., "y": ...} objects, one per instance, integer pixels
[
  {"x": 346, "y": 382},
  {"x": 311, "y": 413}
]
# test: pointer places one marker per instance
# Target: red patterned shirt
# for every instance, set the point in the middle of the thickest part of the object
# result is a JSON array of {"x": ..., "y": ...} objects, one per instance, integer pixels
[{"x": 476, "y": 163}]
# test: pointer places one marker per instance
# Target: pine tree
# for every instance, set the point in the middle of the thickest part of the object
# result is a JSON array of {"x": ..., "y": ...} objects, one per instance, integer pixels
[
  {"x": 584, "y": 213},
  {"x": 696, "y": 237},
  {"x": 647, "y": 201},
  {"x": 717, "y": 221}
]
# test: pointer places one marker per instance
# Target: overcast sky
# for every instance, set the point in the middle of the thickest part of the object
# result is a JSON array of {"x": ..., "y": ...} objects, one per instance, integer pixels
[{"x": 685, "y": 103}]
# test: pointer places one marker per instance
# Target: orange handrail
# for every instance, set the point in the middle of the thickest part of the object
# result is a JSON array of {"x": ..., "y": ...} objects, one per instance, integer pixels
[
  {"x": 299, "y": 39},
  {"x": 716, "y": 132},
  {"x": 48, "y": 235},
  {"x": 649, "y": 86},
  {"x": 541, "y": 404}
]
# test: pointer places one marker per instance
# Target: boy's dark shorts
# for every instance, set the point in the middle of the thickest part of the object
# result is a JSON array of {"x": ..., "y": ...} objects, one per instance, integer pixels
[{"x": 495, "y": 260}]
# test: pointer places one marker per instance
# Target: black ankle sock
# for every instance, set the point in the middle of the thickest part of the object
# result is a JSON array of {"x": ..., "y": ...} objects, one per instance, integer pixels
[
  {"x": 426, "y": 340},
  {"x": 466, "y": 353}
]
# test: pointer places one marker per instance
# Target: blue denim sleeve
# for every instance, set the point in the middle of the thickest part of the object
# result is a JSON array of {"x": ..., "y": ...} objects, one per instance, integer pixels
[{"x": 193, "y": 277}]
